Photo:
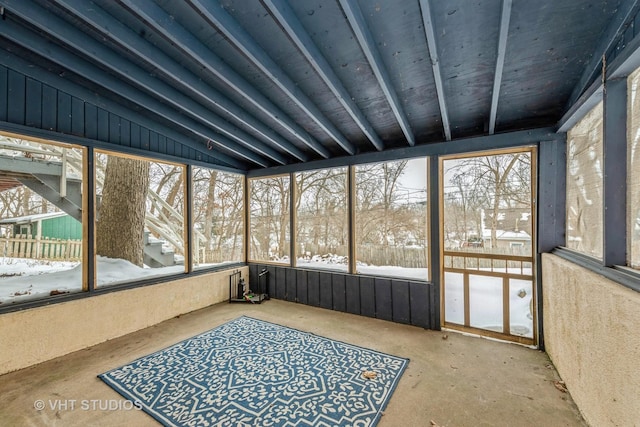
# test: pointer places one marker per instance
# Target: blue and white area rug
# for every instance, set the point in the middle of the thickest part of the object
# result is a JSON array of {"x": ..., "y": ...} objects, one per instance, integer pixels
[{"x": 249, "y": 372}]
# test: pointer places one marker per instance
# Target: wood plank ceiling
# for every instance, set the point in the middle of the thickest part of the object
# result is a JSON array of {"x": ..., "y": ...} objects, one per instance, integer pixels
[{"x": 273, "y": 82}]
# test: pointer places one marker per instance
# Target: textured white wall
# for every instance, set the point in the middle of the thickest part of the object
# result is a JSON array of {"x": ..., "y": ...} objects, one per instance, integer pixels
[
  {"x": 592, "y": 335},
  {"x": 32, "y": 336}
]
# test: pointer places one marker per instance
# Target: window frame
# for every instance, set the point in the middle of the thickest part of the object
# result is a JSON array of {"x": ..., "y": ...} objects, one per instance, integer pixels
[
  {"x": 613, "y": 92},
  {"x": 353, "y": 255},
  {"x": 291, "y": 245},
  {"x": 295, "y": 221}
]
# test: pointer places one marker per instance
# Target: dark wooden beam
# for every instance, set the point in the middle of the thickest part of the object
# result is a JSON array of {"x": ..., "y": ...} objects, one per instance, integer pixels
[
  {"x": 625, "y": 12},
  {"x": 502, "y": 48},
  {"x": 215, "y": 15},
  {"x": 189, "y": 139},
  {"x": 435, "y": 65},
  {"x": 98, "y": 53},
  {"x": 108, "y": 27},
  {"x": 159, "y": 21},
  {"x": 283, "y": 14},
  {"x": 31, "y": 41},
  {"x": 463, "y": 145},
  {"x": 368, "y": 45}
]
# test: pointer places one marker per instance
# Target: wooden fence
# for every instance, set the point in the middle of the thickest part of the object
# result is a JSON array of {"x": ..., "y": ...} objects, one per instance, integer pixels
[
  {"x": 401, "y": 256},
  {"x": 23, "y": 246}
]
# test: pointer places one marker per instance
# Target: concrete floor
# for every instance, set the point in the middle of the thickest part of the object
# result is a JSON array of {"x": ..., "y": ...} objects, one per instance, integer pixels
[{"x": 452, "y": 379}]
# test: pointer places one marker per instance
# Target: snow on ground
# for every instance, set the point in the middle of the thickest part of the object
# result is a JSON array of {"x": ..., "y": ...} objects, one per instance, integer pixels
[
  {"x": 485, "y": 303},
  {"x": 371, "y": 270},
  {"x": 27, "y": 279},
  {"x": 391, "y": 271}
]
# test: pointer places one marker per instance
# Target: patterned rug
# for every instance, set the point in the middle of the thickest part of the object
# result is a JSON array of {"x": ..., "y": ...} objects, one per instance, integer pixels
[{"x": 249, "y": 372}]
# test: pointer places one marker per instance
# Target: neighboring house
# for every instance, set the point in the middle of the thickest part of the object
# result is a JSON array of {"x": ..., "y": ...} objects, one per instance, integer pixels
[
  {"x": 513, "y": 228},
  {"x": 507, "y": 239},
  {"x": 54, "y": 225}
]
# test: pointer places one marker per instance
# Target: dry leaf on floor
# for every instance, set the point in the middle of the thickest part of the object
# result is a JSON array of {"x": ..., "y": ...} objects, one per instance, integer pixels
[
  {"x": 560, "y": 386},
  {"x": 434, "y": 424},
  {"x": 370, "y": 375}
]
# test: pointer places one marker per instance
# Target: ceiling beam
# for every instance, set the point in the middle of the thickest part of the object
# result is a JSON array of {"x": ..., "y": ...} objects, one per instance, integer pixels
[
  {"x": 107, "y": 26},
  {"x": 497, "y": 77},
  {"x": 30, "y": 41},
  {"x": 92, "y": 98},
  {"x": 496, "y": 141},
  {"x": 287, "y": 19},
  {"x": 367, "y": 43},
  {"x": 98, "y": 53},
  {"x": 157, "y": 19},
  {"x": 215, "y": 15},
  {"x": 430, "y": 34},
  {"x": 617, "y": 25}
]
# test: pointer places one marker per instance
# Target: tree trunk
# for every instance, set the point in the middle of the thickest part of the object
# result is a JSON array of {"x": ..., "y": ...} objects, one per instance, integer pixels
[{"x": 120, "y": 228}]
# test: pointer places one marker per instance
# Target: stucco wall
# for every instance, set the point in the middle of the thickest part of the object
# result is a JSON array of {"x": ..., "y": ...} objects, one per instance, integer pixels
[
  {"x": 591, "y": 330},
  {"x": 35, "y": 335}
]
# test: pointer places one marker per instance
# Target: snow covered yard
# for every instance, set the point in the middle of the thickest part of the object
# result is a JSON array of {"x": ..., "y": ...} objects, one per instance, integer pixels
[{"x": 26, "y": 279}]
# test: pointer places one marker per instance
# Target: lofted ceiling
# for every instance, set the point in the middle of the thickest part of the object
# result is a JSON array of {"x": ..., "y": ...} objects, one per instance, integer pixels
[{"x": 274, "y": 82}]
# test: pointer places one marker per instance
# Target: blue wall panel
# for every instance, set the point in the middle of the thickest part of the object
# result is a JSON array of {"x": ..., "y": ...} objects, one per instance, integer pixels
[
  {"x": 419, "y": 302},
  {"x": 144, "y": 138},
  {"x": 367, "y": 297},
  {"x": 290, "y": 293},
  {"x": 326, "y": 291},
  {"x": 400, "y": 301},
  {"x": 34, "y": 105},
  {"x": 103, "y": 125},
  {"x": 16, "y": 98},
  {"x": 301, "y": 287},
  {"x": 64, "y": 113},
  {"x": 49, "y": 108},
  {"x": 352, "y": 294},
  {"x": 91, "y": 117},
  {"x": 77, "y": 117},
  {"x": 114, "y": 128},
  {"x": 125, "y": 132},
  {"x": 397, "y": 300},
  {"x": 280, "y": 283},
  {"x": 4, "y": 93},
  {"x": 27, "y": 101},
  {"x": 313, "y": 289},
  {"x": 338, "y": 284},
  {"x": 384, "y": 301}
]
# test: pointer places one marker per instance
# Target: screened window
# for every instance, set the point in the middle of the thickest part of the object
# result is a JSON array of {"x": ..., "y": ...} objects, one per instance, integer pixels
[
  {"x": 140, "y": 225},
  {"x": 40, "y": 219},
  {"x": 321, "y": 219},
  {"x": 391, "y": 219},
  {"x": 269, "y": 220},
  {"x": 633, "y": 171},
  {"x": 585, "y": 184},
  {"x": 487, "y": 204},
  {"x": 218, "y": 217}
]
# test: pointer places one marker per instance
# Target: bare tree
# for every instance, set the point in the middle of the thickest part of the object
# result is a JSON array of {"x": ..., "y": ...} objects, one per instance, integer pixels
[
  {"x": 269, "y": 208},
  {"x": 377, "y": 194},
  {"x": 321, "y": 211},
  {"x": 489, "y": 184}
]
